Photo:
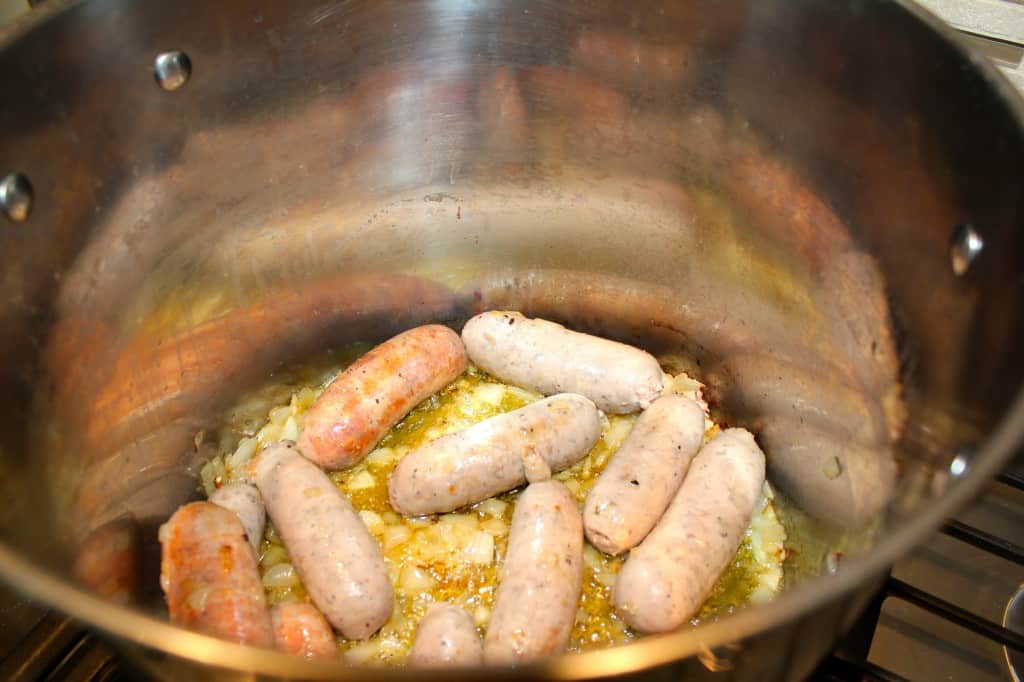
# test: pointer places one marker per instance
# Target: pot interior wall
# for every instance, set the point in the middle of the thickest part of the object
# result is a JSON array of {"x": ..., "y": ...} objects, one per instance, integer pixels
[{"x": 722, "y": 183}]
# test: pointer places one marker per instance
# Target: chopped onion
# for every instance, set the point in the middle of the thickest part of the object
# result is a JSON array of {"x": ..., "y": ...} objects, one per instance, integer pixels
[
  {"x": 492, "y": 507},
  {"x": 415, "y": 580},
  {"x": 495, "y": 527},
  {"x": 380, "y": 457},
  {"x": 372, "y": 520},
  {"x": 274, "y": 556},
  {"x": 290, "y": 430},
  {"x": 462, "y": 521},
  {"x": 363, "y": 480},
  {"x": 242, "y": 454},
  {"x": 281, "y": 575},
  {"x": 491, "y": 394},
  {"x": 395, "y": 536},
  {"x": 480, "y": 549}
]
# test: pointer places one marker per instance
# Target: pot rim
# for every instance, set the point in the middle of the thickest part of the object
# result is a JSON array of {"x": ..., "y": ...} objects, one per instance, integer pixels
[{"x": 149, "y": 631}]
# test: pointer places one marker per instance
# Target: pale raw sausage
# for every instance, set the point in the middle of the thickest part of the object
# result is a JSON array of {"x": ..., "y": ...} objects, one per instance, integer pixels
[
  {"x": 548, "y": 358},
  {"x": 644, "y": 474},
  {"x": 669, "y": 575},
  {"x": 495, "y": 455},
  {"x": 446, "y": 636},
  {"x": 338, "y": 560},
  {"x": 245, "y": 501},
  {"x": 541, "y": 580}
]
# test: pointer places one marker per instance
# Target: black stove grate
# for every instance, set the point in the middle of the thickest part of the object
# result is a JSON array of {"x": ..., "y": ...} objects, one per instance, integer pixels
[{"x": 843, "y": 667}]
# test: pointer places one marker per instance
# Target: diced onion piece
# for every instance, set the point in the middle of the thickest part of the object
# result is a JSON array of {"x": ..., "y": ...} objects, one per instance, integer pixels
[
  {"x": 462, "y": 521},
  {"x": 592, "y": 559},
  {"x": 242, "y": 454},
  {"x": 491, "y": 394},
  {"x": 302, "y": 401},
  {"x": 372, "y": 520},
  {"x": 363, "y": 480},
  {"x": 495, "y": 527},
  {"x": 281, "y": 575},
  {"x": 290, "y": 430},
  {"x": 480, "y": 549},
  {"x": 395, "y": 536},
  {"x": 414, "y": 580},
  {"x": 381, "y": 457},
  {"x": 492, "y": 507},
  {"x": 618, "y": 429},
  {"x": 273, "y": 556}
]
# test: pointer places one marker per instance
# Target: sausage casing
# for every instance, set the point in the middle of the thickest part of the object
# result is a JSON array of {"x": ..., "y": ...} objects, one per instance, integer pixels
[
  {"x": 245, "y": 501},
  {"x": 548, "y": 358},
  {"x": 209, "y": 576},
  {"x": 488, "y": 458},
  {"x": 338, "y": 560},
  {"x": 644, "y": 474},
  {"x": 301, "y": 630},
  {"x": 446, "y": 636},
  {"x": 669, "y": 575},
  {"x": 541, "y": 580},
  {"x": 377, "y": 391}
]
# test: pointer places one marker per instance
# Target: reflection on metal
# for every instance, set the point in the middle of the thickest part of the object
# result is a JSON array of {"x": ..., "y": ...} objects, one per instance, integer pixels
[
  {"x": 1013, "y": 619},
  {"x": 16, "y": 197},
  {"x": 966, "y": 246},
  {"x": 962, "y": 462},
  {"x": 172, "y": 69}
]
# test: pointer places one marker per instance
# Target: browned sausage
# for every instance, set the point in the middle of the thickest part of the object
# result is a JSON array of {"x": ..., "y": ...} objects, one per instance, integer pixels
[
  {"x": 376, "y": 391},
  {"x": 301, "y": 630},
  {"x": 209, "y": 576}
]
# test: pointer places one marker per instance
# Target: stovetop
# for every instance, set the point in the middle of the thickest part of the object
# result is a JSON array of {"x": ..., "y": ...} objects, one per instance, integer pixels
[{"x": 938, "y": 618}]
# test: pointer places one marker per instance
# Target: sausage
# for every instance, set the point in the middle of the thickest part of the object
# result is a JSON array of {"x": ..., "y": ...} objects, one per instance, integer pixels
[
  {"x": 643, "y": 476},
  {"x": 338, "y": 560},
  {"x": 245, "y": 501},
  {"x": 109, "y": 560},
  {"x": 301, "y": 630},
  {"x": 548, "y": 358},
  {"x": 376, "y": 391},
  {"x": 539, "y": 592},
  {"x": 209, "y": 576},
  {"x": 830, "y": 477},
  {"x": 495, "y": 455},
  {"x": 669, "y": 575},
  {"x": 446, "y": 636}
]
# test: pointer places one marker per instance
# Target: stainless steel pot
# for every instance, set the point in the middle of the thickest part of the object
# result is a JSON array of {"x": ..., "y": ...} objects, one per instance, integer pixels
[{"x": 201, "y": 193}]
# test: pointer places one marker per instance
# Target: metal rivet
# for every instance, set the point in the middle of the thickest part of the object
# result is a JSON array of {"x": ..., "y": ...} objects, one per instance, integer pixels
[
  {"x": 172, "y": 69},
  {"x": 965, "y": 247},
  {"x": 16, "y": 197},
  {"x": 962, "y": 462}
]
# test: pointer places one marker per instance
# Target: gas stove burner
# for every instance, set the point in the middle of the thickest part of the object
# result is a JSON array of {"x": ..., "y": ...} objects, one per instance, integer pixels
[{"x": 1013, "y": 619}]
